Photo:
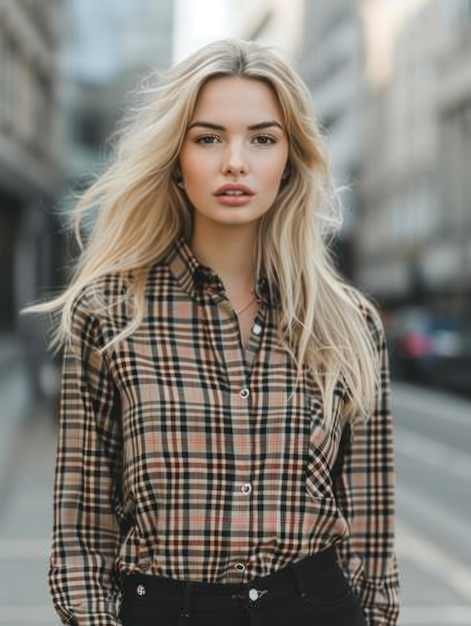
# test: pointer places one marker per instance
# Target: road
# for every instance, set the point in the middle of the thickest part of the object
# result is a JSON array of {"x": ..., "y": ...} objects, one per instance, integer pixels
[{"x": 433, "y": 451}]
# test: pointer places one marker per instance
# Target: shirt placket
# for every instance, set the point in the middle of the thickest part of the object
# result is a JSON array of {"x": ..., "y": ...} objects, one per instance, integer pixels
[{"x": 240, "y": 373}]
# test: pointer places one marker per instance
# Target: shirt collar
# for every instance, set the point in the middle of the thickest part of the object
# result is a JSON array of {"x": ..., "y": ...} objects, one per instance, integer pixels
[{"x": 194, "y": 277}]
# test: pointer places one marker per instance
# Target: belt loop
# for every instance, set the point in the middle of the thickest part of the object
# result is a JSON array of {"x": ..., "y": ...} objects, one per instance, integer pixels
[
  {"x": 185, "y": 612},
  {"x": 300, "y": 584}
]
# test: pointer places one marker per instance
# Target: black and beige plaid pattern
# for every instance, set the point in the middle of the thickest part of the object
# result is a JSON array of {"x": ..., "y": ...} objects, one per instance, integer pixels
[{"x": 183, "y": 455}]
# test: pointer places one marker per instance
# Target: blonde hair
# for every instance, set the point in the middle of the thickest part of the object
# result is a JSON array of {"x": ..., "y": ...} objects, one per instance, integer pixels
[{"x": 141, "y": 211}]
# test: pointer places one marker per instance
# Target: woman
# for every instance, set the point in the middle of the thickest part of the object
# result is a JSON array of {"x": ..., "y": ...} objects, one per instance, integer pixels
[{"x": 225, "y": 446}]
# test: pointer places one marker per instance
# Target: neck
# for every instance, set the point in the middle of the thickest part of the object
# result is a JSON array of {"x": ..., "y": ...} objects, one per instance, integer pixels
[{"x": 228, "y": 251}]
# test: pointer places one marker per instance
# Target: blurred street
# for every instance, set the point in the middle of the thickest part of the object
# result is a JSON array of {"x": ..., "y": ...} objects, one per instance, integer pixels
[{"x": 433, "y": 443}]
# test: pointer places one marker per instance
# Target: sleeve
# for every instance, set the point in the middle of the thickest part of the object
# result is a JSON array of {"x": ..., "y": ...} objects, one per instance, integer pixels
[
  {"x": 85, "y": 531},
  {"x": 364, "y": 491}
]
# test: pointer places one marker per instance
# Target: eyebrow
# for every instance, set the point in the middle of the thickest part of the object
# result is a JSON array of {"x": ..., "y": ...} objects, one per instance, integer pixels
[{"x": 212, "y": 126}]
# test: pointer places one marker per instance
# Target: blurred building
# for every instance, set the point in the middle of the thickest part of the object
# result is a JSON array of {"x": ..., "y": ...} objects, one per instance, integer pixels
[
  {"x": 109, "y": 47},
  {"x": 399, "y": 203},
  {"x": 332, "y": 64},
  {"x": 447, "y": 264},
  {"x": 30, "y": 173},
  {"x": 271, "y": 22},
  {"x": 414, "y": 226}
]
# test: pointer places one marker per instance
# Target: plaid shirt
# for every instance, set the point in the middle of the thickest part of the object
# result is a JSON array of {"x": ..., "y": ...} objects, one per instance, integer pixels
[{"x": 183, "y": 455}]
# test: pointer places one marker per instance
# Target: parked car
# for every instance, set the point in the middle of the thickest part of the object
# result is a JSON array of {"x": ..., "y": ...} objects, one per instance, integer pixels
[
  {"x": 411, "y": 345},
  {"x": 451, "y": 367},
  {"x": 429, "y": 348}
]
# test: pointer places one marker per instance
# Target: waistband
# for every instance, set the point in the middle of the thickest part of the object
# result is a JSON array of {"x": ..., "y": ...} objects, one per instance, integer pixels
[{"x": 294, "y": 578}]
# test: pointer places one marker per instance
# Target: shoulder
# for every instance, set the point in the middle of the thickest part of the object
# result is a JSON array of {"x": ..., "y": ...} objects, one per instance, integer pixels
[
  {"x": 100, "y": 294},
  {"x": 104, "y": 301}
]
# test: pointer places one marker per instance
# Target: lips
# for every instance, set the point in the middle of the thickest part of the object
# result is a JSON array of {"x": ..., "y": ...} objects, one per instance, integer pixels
[{"x": 234, "y": 190}]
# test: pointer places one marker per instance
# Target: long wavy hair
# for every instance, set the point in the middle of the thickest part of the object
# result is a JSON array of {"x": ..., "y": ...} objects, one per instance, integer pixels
[{"x": 140, "y": 210}]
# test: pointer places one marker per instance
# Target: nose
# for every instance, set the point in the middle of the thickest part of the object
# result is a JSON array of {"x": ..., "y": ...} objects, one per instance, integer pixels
[{"x": 235, "y": 161}]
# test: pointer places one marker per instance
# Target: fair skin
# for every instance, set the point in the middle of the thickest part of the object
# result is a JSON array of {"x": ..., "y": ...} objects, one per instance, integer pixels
[{"x": 232, "y": 161}]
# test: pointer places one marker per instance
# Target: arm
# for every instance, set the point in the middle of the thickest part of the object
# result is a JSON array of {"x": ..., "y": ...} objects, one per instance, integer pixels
[
  {"x": 86, "y": 532},
  {"x": 365, "y": 493}
]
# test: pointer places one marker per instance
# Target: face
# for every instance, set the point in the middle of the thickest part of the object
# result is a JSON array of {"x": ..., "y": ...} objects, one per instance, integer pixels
[{"x": 234, "y": 152}]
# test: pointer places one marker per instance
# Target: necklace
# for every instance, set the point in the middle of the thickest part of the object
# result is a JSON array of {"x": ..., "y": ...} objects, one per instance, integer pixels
[{"x": 246, "y": 306}]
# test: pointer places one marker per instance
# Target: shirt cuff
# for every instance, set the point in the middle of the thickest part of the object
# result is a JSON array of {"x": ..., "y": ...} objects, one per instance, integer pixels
[
  {"x": 379, "y": 600},
  {"x": 94, "y": 619}
]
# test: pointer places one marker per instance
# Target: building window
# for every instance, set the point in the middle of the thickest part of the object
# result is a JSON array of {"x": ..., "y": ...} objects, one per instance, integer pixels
[
  {"x": 8, "y": 91},
  {"x": 42, "y": 113},
  {"x": 25, "y": 122},
  {"x": 41, "y": 15}
]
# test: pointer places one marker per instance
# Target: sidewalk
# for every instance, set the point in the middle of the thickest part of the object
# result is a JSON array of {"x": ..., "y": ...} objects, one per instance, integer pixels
[
  {"x": 25, "y": 525},
  {"x": 23, "y": 378},
  {"x": 16, "y": 400},
  {"x": 27, "y": 456}
]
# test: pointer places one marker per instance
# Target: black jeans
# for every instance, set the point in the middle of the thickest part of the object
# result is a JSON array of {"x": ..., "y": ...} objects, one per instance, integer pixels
[{"x": 312, "y": 592}]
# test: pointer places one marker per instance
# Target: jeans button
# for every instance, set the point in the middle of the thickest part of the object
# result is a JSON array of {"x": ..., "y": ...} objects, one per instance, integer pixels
[{"x": 141, "y": 590}]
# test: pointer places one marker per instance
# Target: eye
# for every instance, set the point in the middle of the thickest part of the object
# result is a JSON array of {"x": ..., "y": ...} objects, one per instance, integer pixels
[
  {"x": 207, "y": 139},
  {"x": 265, "y": 140}
]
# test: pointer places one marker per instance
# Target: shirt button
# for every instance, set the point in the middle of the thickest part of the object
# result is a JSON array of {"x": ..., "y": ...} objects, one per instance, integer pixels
[
  {"x": 246, "y": 488},
  {"x": 354, "y": 563},
  {"x": 256, "y": 329},
  {"x": 199, "y": 277},
  {"x": 253, "y": 594},
  {"x": 244, "y": 393},
  {"x": 240, "y": 567}
]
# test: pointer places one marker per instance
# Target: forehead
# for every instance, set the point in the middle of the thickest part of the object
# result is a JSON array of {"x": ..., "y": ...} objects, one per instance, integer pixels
[{"x": 233, "y": 96}]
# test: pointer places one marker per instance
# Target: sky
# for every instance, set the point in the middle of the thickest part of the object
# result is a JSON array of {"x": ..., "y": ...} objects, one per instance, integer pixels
[{"x": 199, "y": 22}]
